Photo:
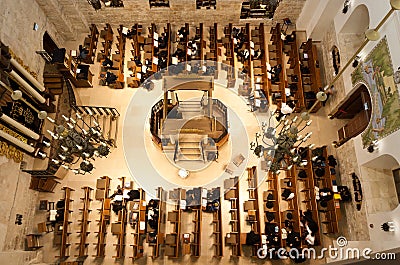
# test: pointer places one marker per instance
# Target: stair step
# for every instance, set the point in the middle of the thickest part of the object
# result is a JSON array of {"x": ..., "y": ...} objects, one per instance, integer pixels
[
  {"x": 190, "y": 138},
  {"x": 189, "y": 145},
  {"x": 53, "y": 80},
  {"x": 189, "y": 157},
  {"x": 56, "y": 91},
  {"x": 196, "y": 110},
  {"x": 189, "y": 102},
  {"x": 53, "y": 85},
  {"x": 190, "y": 151},
  {"x": 52, "y": 75}
]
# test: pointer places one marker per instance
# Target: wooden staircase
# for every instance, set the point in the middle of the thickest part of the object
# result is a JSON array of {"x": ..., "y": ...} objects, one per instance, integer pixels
[
  {"x": 53, "y": 82},
  {"x": 189, "y": 148}
]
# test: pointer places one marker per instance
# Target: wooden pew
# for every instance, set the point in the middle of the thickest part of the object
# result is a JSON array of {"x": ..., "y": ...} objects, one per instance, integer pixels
[
  {"x": 253, "y": 212},
  {"x": 84, "y": 223},
  {"x": 167, "y": 32},
  {"x": 173, "y": 240},
  {"x": 294, "y": 76},
  {"x": 311, "y": 81},
  {"x": 294, "y": 207},
  {"x": 160, "y": 225},
  {"x": 64, "y": 248},
  {"x": 118, "y": 59},
  {"x": 227, "y": 42},
  {"x": 272, "y": 189},
  {"x": 247, "y": 63},
  {"x": 291, "y": 203},
  {"x": 277, "y": 59},
  {"x": 213, "y": 54},
  {"x": 138, "y": 211},
  {"x": 149, "y": 47},
  {"x": 91, "y": 44},
  {"x": 107, "y": 35},
  {"x": 201, "y": 43},
  {"x": 331, "y": 214},
  {"x": 134, "y": 80},
  {"x": 232, "y": 239},
  {"x": 260, "y": 64},
  {"x": 79, "y": 74},
  {"x": 307, "y": 196},
  {"x": 119, "y": 228},
  {"x": 196, "y": 243},
  {"x": 217, "y": 223},
  {"x": 102, "y": 193}
]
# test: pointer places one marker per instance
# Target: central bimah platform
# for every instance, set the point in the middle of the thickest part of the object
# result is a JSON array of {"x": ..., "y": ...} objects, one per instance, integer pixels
[{"x": 191, "y": 129}]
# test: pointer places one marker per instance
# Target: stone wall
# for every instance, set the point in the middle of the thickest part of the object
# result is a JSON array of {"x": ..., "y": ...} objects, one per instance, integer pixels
[
  {"x": 15, "y": 198},
  {"x": 329, "y": 40},
  {"x": 16, "y": 30},
  {"x": 73, "y": 17},
  {"x": 379, "y": 190},
  {"x": 354, "y": 223}
]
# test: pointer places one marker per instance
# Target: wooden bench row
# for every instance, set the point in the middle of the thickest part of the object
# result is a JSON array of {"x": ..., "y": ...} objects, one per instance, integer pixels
[
  {"x": 173, "y": 240},
  {"x": 102, "y": 193},
  {"x": 90, "y": 43},
  {"x": 233, "y": 239},
  {"x": 252, "y": 207},
  {"x": 82, "y": 245},
  {"x": 65, "y": 245}
]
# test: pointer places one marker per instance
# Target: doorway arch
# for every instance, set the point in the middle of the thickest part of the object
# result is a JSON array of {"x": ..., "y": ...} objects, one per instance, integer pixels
[
  {"x": 351, "y": 35},
  {"x": 381, "y": 184},
  {"x": 358, "y": 21},
  {"x": 48, "y": 43}
]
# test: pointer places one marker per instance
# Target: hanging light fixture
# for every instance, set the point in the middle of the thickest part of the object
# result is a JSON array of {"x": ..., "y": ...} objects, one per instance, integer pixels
[
  {"x": 77, "y": 142},
  {"x": 282, "y": 146}
]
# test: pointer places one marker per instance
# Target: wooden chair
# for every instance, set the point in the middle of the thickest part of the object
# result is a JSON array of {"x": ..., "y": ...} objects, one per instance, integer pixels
[
  {"x": 43, "y": 227},
  {"x": 32, "y": 241}
]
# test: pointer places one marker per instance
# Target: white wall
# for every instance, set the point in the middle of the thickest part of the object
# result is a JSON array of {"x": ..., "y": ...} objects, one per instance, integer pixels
[
  {"x": 316, "y": 16},
  {"x": 377, "y": 10}
]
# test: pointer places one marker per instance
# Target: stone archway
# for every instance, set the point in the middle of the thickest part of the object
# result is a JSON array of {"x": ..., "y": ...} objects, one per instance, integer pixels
[{"x": 352, "y": 35}]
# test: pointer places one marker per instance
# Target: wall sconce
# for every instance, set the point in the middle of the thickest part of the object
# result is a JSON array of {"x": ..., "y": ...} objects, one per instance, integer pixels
[
  {"x": 395, "y": 4},
  {"x": 95, "y": 4},
  {"x": 346, "y": 6},
  {"x": 372, "y": 35},
  {"x": 356, "y": 61}
]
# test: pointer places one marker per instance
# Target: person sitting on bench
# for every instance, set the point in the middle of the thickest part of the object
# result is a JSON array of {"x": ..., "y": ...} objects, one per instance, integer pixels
[
  {"x": 110, "y": 78},
  {"x": 83, "y": 52},
  {"x": 108, "y": 62},
  {"x": 258, "y": 54},
  {"x": 325, "y": 194}
]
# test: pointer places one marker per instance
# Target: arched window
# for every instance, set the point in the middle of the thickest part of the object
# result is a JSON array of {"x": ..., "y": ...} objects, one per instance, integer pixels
[{"x": 336, "y": 59}]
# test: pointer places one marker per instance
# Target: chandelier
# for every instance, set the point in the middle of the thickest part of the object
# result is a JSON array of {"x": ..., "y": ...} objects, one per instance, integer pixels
[
  {"x": 281, "y": 146},
  {"x": 79, "y": 143}
]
